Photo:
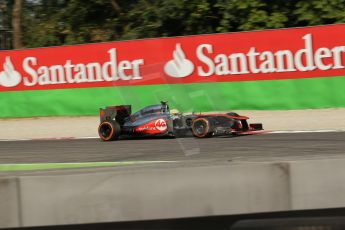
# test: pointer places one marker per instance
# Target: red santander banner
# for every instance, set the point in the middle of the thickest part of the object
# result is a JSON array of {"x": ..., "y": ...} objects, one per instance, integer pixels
[{"x": 245, "y": 56}]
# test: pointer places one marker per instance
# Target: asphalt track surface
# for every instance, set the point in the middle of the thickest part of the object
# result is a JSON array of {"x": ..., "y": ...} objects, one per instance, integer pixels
[{"x": 263, "y": 147}]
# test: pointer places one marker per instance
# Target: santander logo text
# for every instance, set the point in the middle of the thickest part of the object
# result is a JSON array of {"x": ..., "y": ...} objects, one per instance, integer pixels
[
  {"x": 254, "y": 61},
  {"x": 71, "y": 72}
]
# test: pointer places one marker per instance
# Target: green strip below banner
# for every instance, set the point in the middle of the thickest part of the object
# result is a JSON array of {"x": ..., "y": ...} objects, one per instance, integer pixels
[
  {"x": 49, "y": 166},
  {"x": 311, "y": 93}
]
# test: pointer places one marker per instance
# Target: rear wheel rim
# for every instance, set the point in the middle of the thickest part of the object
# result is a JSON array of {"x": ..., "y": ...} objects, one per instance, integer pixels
[{"x": 105, "y": 131}]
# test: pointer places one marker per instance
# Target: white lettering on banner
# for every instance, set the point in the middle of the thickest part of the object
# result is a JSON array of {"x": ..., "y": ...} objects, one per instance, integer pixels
[
  {"x": 252, "y": 60},
  {"x": 208, "y": 61},
  {"x": 337, "y": 56},
  {"x": 80, "y": 73},
  {"x": 308, "y": 52},
  {"x": 319, "y": 55},
  {"x": 268, "y": 62},
  {"x": 267, "y": 65}
]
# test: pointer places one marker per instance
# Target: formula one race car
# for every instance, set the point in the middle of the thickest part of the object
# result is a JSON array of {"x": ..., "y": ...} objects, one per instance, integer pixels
[{"x": 156, "y": 120}]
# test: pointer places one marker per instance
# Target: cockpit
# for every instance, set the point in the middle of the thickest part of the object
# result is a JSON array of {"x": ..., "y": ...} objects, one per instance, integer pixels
[{"x": 162, "y": 108}]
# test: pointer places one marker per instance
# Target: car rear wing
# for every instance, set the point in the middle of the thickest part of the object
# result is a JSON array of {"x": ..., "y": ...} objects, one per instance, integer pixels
[{"x": 116, "y": 113}]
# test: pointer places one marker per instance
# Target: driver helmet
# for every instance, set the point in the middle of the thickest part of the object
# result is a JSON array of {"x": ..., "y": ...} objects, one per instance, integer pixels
[{"x": 174, "y": 111}]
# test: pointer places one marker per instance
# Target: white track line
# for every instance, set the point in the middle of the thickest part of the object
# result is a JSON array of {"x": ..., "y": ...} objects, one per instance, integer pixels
[
  {"x": 306, "y": 131},
  {"x": 87, "y": 163},
  {"x": 49, "y": 139},
  {"x": 96, "y": 137}
]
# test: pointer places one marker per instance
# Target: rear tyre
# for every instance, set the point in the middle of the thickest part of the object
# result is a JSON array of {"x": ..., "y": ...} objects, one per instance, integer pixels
[
  {"x": 202, "y": 128},
  {"x": 109, "y": 130}
]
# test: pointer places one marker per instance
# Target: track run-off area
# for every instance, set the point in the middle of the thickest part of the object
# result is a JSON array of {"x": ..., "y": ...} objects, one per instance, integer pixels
[{"x": 252, "y": 148}]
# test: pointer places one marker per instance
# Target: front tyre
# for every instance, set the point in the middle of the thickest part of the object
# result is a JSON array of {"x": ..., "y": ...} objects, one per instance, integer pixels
[
  {"x": 109, "y": 130},
  {"x": 202, "y": 128}
]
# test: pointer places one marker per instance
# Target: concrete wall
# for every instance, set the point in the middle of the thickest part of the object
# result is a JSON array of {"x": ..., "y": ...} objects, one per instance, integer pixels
[
  {"x": 318, "y": 184},
  {"x": 147, "y": 193},
  {"x": 10, "y": 211}
]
